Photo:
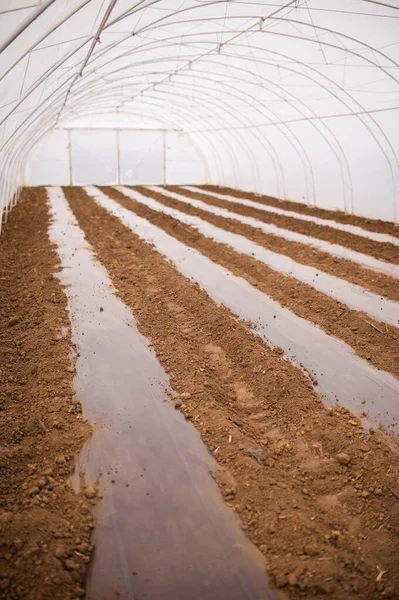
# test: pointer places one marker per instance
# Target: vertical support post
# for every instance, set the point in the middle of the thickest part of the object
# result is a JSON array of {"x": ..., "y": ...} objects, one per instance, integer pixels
[
  {"x": 118, "y": 155},
  {"x": 70, "y": 157},
  {"x": 2, "y": 206},
  {"x": 8, "y": 194},
  {"x": 164, "y": 155}
]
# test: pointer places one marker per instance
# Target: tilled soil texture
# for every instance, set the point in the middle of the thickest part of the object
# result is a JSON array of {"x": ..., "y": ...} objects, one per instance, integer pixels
[
  {"x": 378, "y": 283},
  {"x": 335, "y": 215},
  {"x": 379, "y": 347},
  {"x": 315, "y": 492},
  {"x": 44, "y": 526},
  {"x": 381, "y": 250}
]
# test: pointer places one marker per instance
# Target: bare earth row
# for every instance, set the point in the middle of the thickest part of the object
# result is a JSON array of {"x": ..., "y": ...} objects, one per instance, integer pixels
[
  {"x": 381, "y": 349},
  {"x": 381, "y": 250},
  {"x": 44, "y": 527},
  {"x": 341, "y": 217},
  {"x": 378, "y": 283},
  {"x": 316, "y": 492}
]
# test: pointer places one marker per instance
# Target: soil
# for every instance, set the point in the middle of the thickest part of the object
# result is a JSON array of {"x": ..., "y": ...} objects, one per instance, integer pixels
[
  {"x": 315, "y": 492},
  {"x": 378, "y": 283},
  {"x": 382, "y": 349},
  {"x": 45, "y": 527},
  {"x": 335, "y": 215},
  {"x": 381, "y": 250}
]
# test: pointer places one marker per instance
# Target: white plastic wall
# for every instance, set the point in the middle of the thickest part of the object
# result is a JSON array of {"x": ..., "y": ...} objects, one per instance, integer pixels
[
  {"x": 184, "y": 162},
  {"x": 49, "y": 161},
  {"x": 294, "y": 99},
  {"x": 94, "y": 156},
  {"x": 141, "y": 157},
  {"x": 107, "y": 156}
]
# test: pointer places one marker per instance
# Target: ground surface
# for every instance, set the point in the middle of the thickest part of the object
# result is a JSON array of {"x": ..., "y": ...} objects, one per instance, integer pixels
[
  {"x": 316, "y": 493},
  {"x": 44, "y": 527},
  {"x": 370, "y": 224}
]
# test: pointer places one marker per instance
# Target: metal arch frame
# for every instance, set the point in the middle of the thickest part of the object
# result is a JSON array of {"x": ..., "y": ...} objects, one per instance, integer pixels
[
  {"x": 49, "y": 126},
  {"x": 107, "y": 49},
  {"x": 52, "y": 69},
  {"x": 233, "y": 92},
  {"x": 248, "y": 151},
  {"x": 200, "y": 117},
  {"x": 269, "y": 32},
  {"x": 309, "y": 25},
  {"x": 254, "y": 26},
  {"x": 188, "y": 112},
  {"x": 164, "y": 112},
  {"x": 329, "y": 91},
  {"x": 339, "y": 99},
  {"x": 198, "y": 149},
  {"x": 280, "y": 87},
  {"x": 93, "y": 89},
  {"x": 285, "y": 131},
  {"x": 49, "y": 32},
  {"x": 241, "y": 32},
  {"x": 39, "y": 136},
  {"x": 181, "y": 72},
  {"x": 23, "y": 26},
  {"x": 29, "y": 116}
]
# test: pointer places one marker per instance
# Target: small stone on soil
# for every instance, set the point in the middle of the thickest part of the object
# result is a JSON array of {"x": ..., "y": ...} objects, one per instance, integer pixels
[
  {"x": 90, "y": 492},
  {"x": 60, "y": 552},
  {"x": 280, "y": 579},
  {"x": 343, "y": 458}
]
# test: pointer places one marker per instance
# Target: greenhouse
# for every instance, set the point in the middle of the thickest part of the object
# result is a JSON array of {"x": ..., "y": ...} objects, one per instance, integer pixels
[{"x": 199, "y": 264}]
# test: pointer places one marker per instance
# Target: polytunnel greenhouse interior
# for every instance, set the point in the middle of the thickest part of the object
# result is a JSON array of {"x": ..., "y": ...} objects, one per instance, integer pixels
[{"x": 199, "y": 333}]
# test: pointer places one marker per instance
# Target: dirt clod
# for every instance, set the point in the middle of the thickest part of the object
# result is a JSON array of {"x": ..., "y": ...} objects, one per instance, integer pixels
[
  {"x": 280, "y": 580},
  {"x": 60, "y": 552},
  {"x": 90, "y": 492},
  {"x": 343, "y": 458}
]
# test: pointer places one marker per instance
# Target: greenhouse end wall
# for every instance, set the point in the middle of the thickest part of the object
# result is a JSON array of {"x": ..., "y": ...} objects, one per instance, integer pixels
[{"x": 115, "y": 156}]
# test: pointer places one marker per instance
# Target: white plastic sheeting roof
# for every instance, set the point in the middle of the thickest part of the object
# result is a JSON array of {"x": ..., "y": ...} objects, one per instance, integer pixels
[{"x": 298, "y": 99}]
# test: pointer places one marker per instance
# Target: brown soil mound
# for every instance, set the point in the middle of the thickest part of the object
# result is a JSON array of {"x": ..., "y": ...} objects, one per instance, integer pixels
[
  {"x": 335, "y": 215},
  {"x": 44, "y": 527},
  {"x": 316, "y": 493},
  {"x": 380, "y": 346},
  {"x": 378, "y": 283},
  {"x": 381, "y": 250}
]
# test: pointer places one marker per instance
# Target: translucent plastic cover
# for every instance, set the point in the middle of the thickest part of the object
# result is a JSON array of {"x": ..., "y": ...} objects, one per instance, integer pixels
[{"x": 294, "y": 99}]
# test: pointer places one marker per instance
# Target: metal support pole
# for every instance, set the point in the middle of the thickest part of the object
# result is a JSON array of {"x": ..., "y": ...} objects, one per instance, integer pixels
[
  {"x": 118, "y": 154},
  {"x": 164, "y": 156},
  {"x": 70, "y": 157}
]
